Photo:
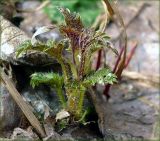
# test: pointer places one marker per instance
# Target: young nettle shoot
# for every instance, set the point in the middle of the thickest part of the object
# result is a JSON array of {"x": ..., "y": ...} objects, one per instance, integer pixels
[{"x": 74, "y": 53}]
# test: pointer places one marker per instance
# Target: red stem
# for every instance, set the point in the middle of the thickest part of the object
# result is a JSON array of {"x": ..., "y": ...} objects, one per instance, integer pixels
[
  {"x": 118, "y": 59},
  {"x": 131, "y": 54},
  {"x": 99, "y": 59},
  {"x": 107, "y": 87},
  {"x": 98, "y": 64}
]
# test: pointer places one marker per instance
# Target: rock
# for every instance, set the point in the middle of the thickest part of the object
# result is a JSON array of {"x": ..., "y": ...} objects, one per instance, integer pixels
[
  {"x": 35, "y": 20},
  {"x": 10, "y": 114},
  {"x": 21, "y": 134},
  {"x": 131, "y": 118},
  {"x": 41, "y": 98},
  {"x": 7, "y": 8},
  {"x": 11, "y": 37}
]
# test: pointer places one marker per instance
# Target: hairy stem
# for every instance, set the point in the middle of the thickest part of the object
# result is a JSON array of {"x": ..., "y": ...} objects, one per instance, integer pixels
[
  {"x": 66, "y": 70},
  {"x": 80, "y": 102},
  {"x": 61, "y": 97},
  {"x": 75, "y": 101}
]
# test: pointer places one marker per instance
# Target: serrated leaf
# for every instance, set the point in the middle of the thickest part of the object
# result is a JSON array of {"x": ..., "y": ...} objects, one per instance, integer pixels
[
  {"x": 101, "y": 76},
  {"x": 72, "y": 20},
  {"x": 23, "y": 47},
  {"x": 54, "y": 79},
  {"x": 27, "y": 46},
  {"x": 55, "y": 50}
]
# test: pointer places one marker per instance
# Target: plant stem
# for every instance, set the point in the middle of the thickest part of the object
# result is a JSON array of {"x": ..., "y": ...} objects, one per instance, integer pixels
[
  {"x": 99, "y": 59},
  {"x": 131, "y": 54},
  {"x": 75, "y": 101},
  {"x": 71, "y": 102},
  {"x": 80, "y": 102},
  {"x": 66, "y": 70},
  {"x": 61, "y": 97}
]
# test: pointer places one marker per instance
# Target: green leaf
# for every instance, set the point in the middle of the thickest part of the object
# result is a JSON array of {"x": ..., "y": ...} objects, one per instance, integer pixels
[
  {"x": 56, "y": 50},
  {"x": 27, "y": 46},
  {"x": 101, "y": 76},
  {"x": 53, "y": 79},
  {"x": 23, "y": 47}
]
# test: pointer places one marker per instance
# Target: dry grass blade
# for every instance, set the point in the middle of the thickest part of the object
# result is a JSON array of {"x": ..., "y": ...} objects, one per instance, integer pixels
[
  {"x": 120, "y": 63},
  {"x": 104, "y": 23},
  {"x": 109, "y": 7},
  {"x": 22, "y": 104}
]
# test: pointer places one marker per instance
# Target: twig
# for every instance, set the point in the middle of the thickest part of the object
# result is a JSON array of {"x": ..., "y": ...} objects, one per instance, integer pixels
[
  {"x": 22, "y": 104},
  {"x": 98, "y": 21},
  {"x": 121, "y": 64}
]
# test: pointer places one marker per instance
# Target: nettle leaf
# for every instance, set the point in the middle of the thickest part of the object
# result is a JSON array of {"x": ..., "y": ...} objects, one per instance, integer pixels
[
  {"x": 101, "y": 76},
  {"x": 27, "y": 46},
  {"x": 101, "y": 40},
  {"x": 53, "y": 79},
  {"x": 55, "y": 50},
  {"x": 72, "y": 29},
  {"x": 89, "y": 43},
  {"x": 23, "y": 47},
  {"x": 107, "y": 44},
  {"x": 72, "y": 34}
]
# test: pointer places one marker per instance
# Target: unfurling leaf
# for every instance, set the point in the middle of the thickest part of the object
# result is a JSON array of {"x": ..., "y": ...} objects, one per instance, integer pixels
[{"x": 72, "y": 20}]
